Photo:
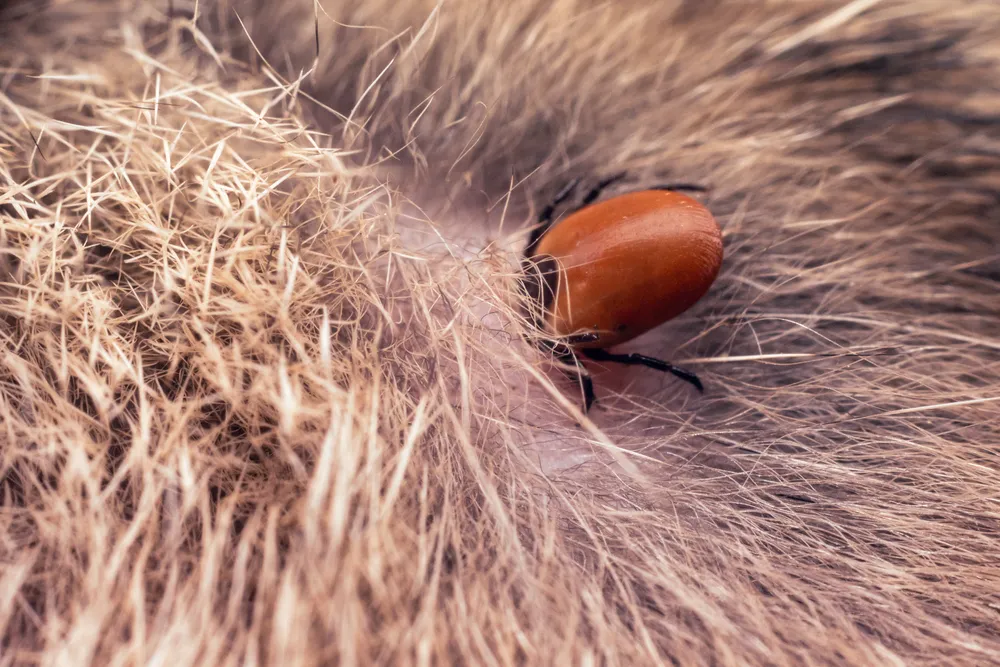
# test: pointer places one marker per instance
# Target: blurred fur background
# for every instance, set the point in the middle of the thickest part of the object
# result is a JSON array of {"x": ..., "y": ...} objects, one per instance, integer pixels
[{"x": 264, "y": 397}]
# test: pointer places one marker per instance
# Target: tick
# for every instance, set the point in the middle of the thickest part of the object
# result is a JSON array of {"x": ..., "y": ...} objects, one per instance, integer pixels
[{"x": 612, "y": 270}]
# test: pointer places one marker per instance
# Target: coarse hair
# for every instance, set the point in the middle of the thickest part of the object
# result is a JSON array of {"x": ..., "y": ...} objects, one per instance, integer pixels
[{"x": 266, "y": 393}]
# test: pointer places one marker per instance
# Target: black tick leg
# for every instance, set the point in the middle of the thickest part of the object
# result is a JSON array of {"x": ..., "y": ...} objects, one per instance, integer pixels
[
  {"x": 581, "y": 338},
  {"x": 642, "y": 360},
  {"x": 693, "y": 187},
  {"x": 565, "y": 354},
  {"x": 599, "y": 188},
  {"x": 545, "y": 217}
]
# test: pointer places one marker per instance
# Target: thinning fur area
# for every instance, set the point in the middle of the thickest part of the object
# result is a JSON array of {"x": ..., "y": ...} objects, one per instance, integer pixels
[{"x": 265, "y": 391}]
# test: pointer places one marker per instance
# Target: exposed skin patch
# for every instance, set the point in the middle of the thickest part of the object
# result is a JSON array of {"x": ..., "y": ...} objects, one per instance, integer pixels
[{"x": 559, "y": 445}]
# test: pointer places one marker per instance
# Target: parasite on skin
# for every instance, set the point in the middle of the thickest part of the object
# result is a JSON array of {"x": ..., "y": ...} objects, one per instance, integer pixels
[{"x": 612, "y": 270}]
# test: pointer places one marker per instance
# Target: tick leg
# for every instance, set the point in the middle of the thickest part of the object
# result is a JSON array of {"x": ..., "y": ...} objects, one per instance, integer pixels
[
  {"x": 580, "y": 338},
  {"x": 561, "y": 196},
  {"x": 642, "y": 360},
  {"x": 599, "y": 188},
  {"x": 565, "y": 354},
  {"x": 545, "y": 217},
  {"x": 694, "y": 187}
]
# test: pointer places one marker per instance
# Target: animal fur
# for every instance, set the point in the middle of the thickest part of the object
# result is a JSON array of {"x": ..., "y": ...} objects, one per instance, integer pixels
[{"x": 265, "y": 392}]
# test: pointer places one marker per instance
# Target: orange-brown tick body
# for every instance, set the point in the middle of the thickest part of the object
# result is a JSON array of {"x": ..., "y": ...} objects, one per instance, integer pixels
[
  {"x": 629, "y": 264},
  {"x": 613, "y": 270}
]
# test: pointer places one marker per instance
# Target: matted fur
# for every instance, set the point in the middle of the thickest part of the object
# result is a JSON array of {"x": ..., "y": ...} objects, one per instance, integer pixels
[{"x": 263, "y": 388}]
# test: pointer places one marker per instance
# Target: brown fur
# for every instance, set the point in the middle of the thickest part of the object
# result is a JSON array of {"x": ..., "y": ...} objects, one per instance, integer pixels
[{"x": 263, "y": 388}]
